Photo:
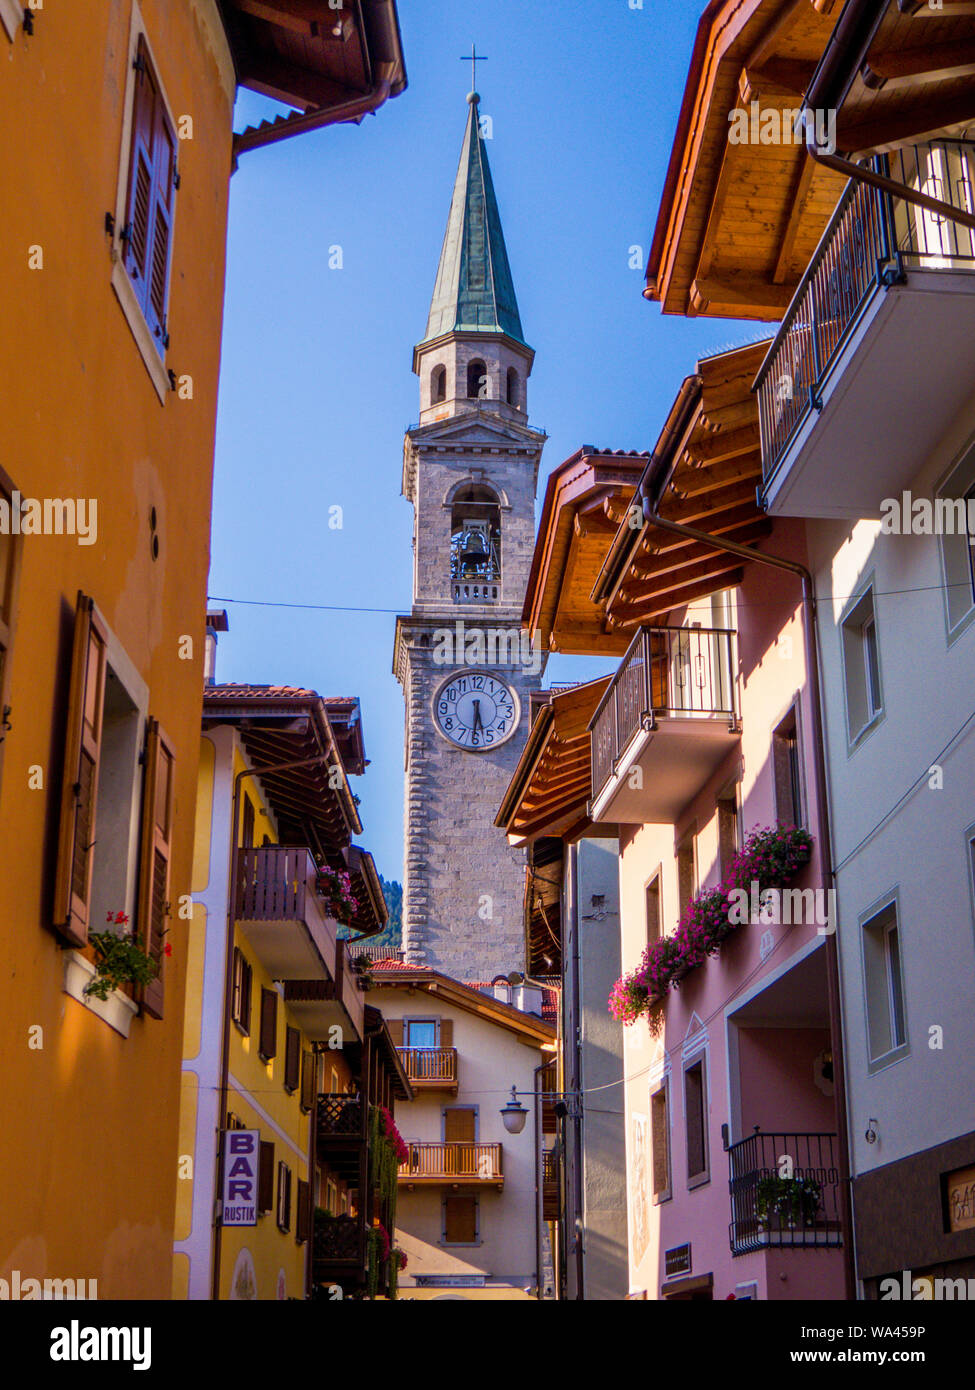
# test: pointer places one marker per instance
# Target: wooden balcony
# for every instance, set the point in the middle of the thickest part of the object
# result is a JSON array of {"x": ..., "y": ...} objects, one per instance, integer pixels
[
  {"x": 279, "y": 910},
  {"x": 430, "y": 1068},
  {"x": 322, "y": 1005},
  {"x": 671, "y": 713},
  {"x": 881, "y": 320},
  {"x": 456, "y": 1164}
]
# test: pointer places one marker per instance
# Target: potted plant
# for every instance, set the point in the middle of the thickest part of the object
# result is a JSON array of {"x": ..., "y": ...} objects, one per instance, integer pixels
[
  {"x": 335, "y": 888},
  {"x": 119, "y": 959}
]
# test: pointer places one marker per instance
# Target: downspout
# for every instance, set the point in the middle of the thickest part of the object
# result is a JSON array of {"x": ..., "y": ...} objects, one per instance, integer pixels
[
  {"x": 229, "y": 980},
  {"x": 653, "y": 517},
  {"x": 539, "y": 1211},
  {"x": 575, "y": 1080},
  {"x": 844, "y": 56}
]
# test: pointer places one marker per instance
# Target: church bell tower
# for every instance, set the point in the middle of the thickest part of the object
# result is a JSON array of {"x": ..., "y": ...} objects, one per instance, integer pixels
[{"x": 470, "y": 470}]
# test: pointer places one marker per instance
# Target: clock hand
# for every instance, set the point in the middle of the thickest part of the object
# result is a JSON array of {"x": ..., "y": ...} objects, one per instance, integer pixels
[{"x": 477, "y": 715}]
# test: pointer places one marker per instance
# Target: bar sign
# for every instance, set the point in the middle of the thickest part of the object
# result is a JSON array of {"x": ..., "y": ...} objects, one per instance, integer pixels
[{"x": 241, "y": 1151}]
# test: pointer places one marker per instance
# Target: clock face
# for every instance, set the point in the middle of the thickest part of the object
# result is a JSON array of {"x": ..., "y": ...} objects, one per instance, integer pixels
[{"x": 475, "y": 711}]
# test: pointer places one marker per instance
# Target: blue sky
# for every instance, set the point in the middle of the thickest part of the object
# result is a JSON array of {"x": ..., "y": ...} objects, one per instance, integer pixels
[{"x": 316, "y": 383}]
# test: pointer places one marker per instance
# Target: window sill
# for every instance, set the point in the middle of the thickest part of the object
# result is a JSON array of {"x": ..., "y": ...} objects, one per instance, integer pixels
[
  {"x": 699, "y": 1181},
  {"x": 12, "y": 17},
  {"x": 887, "y": 1059},
  {"x": 118, "y": 1010},
  {"x": 135, "y": 318}
]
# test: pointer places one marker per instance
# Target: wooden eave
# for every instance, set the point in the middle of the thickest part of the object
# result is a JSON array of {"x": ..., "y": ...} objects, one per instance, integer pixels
[
  {"x": 552, "y": 784},
  {"x": 530, "y": 1027},
  {"x": 377, "y": 1028},
  {"x": 739, "y": 223},
  {"x": 291, "y": 728},
  {"x": 373, "y": 913},
  {"x": 543, "y": 906},
  {"x": 586, "y": 497},
  {"x": 651, "y": 573}
]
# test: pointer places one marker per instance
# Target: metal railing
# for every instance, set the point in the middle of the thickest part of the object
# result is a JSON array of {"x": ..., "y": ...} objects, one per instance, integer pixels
[
  {"x": 430, "y": 1063},
  {"x": 785, "y": 1191},
  {"x": 459, "y": 1159},
  {"x": 682, "y": 672},
  {"x": 866, "y": 244}
]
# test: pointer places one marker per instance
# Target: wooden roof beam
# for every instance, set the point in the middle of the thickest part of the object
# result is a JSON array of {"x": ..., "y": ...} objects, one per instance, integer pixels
[
  {"x": 693, "y": 482},
  {"x": 798, "y": 201},
  {"x": 718, "y": 563},
  {"x": 644, "y": 615},
  {"x": 911, "y": 67},
  {"x": 727, "y": 444},
  {"x": 738, "y": 296}
]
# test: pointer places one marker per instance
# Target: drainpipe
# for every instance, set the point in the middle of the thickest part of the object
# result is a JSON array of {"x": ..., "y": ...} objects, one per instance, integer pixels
[
  {"x": 539, "y": 1210},
  {"x": 653, "y": 517},
  {"x": 229, "y": 977},
  {"x": 575, "y": 1080},
  {"x": 845, "y": 55}
]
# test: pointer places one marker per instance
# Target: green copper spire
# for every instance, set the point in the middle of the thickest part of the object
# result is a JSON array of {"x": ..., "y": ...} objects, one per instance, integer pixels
[{"x": 474, "y": 291}]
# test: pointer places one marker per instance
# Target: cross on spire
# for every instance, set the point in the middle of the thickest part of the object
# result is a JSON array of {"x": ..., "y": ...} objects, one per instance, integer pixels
[{"x": 474, "y": 59}]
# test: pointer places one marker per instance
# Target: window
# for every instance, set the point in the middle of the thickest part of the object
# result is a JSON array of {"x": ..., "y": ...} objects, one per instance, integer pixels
[
  {"x": 438, "y": 385},
  {"x": 247, "y": 830},
  {"x": 150, "y": 198},
  {"x": 660, "y": 1138},
  {"x": 728, "y": 829},
  {"x": 420, "y": 1032},
  {"x": 695, "y": 1118},
  {"x": 460, "y": 1124},
  {"x": 9, "y": 557},
  {"x": 861, "y": 664},
  {"x": 308, "y": 1069},
  {"x": 268, "y": 1043},
  {"x": 115, "y": 832},
  {"x": 292, "y": 1059},
  {"x": 336, "y": 1086},
  {"x": 884, "y": 986},
  {"x": 477, "y": 382},
  {"x": 475, "y": 542},
  {"x": 265, "y": 1177},
  {"x": 513, "y": 393},
  {"x": 303, "y": 1213},
  {"x": 460, "y": 1219},
  {"x": 241, "y": 1000},
  {"x": 332, "y": 1197},
  {"x": 955, "y": 504},
  {"x": 284, "y": 1197},
  {"x": 686, "y": 873},
  {"x": 652, "y": 896},
  {"x": 787, "y": 770}
]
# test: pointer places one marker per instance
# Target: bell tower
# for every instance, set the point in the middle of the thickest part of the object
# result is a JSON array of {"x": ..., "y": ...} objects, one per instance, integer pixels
[{"x": 470, "y": 470}]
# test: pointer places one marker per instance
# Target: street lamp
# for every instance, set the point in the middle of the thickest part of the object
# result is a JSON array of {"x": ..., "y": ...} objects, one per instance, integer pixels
[{"x": 514, "y": 1114}]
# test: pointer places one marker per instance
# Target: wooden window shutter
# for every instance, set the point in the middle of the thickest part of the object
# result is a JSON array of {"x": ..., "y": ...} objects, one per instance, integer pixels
[
  {"x": 154, "y": 868},
  {"x": 138, "y": 212},
  {"x": 247, "y": 832},
  {"x": 395, "y": 1026},
  {"x": 303, "y": 1214},
  {"x": 307, "y": 1080},
  {"x": 76, "y": 838},
  {"x": 265, "y": 1176},
  {"x": 460, "y": 1123},
  {"x": 660, "y": 1126},
  {"x": 241, "y": 1005},
  {"x": 695, "y": 1110},
  {"x": 446, "y": 1032},
  {"x": 284, "y": 1197},
  {"x": 460, "y": 1219},
  {"x": 268, "y": 1045},
  {"x": 292, "y": 1059},
  {"x": 151, "y": 196}
]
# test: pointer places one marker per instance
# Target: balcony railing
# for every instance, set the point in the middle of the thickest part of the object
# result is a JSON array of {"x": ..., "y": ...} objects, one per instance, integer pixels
[
  {"x": 678, "y": 672},
  {"x": 551, "y": 1185},
  {"x": 276, "y": 887},
  {"x": 430, "y": 1066},
  {"x": 867, "y": 243},
  {"x": 769, "y": 1208},
  {"x": 452, "y": 1162},
  {"x": 340, "y": 1117}
]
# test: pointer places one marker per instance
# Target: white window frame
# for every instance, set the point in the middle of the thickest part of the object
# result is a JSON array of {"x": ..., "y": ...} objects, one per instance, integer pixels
[
  {"x": 120, "y": 281},
  {"x": 959, "y": 479},
  {"x": 854, "y": 647},
  {"x": 868, "y": 923},
  {"x": 428, "y": 1018}
]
